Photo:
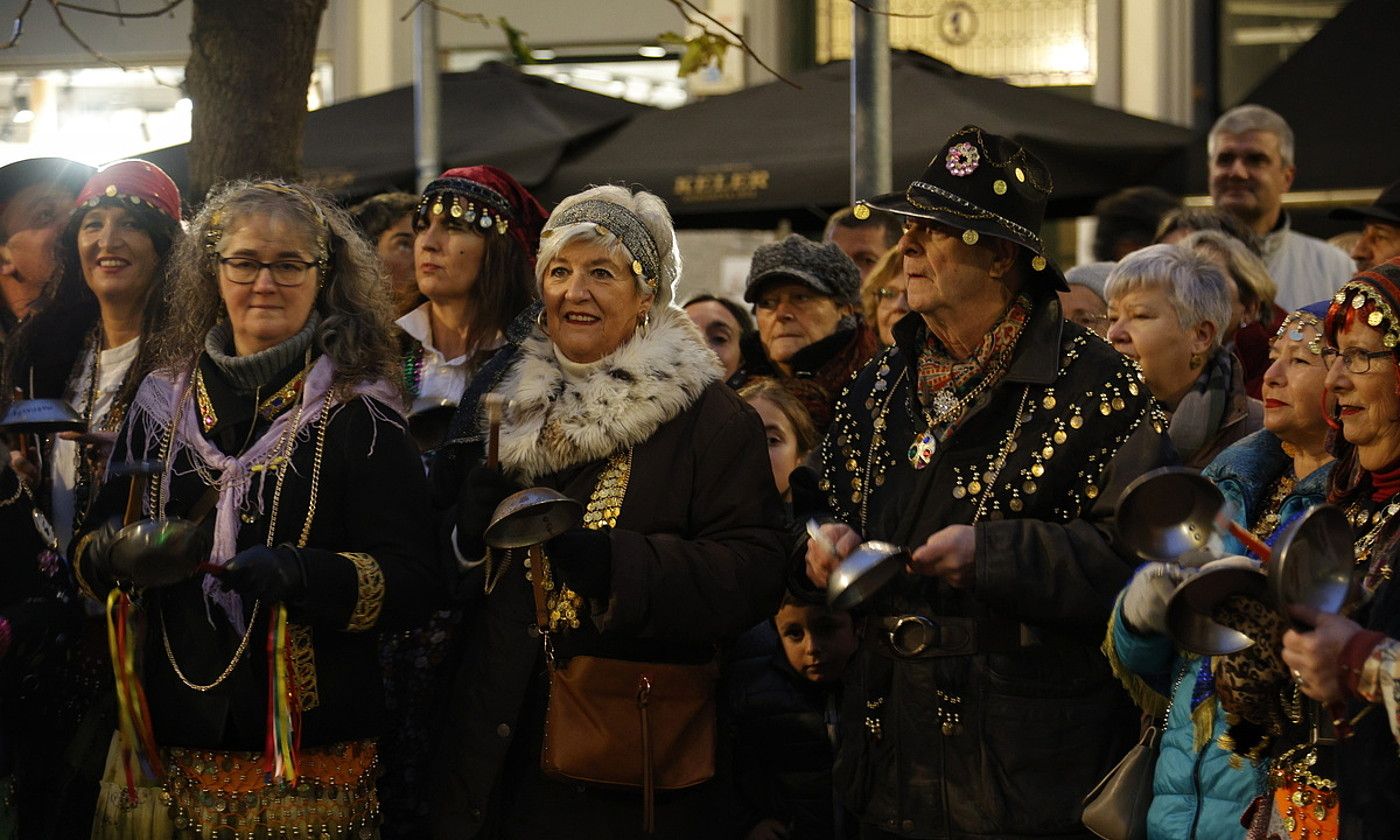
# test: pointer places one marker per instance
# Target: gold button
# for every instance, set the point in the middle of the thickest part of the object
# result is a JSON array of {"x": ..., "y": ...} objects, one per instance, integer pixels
[
  {"x": 970, "y": 237},
  {"x": 974, "y": 487},
  {"x": 1374, "y": 319},
  {"x": 999, "y": 187},
  {"x": 1118, "y": 403},
  {"x": 1037, "y": 470},
  {"x": 111, "y": 190},
  {"x": 861, "y": 211},
  {"x": 1048, "y": 402},
  {"x": 1015, "y": 504},
  {"x": 1038, "y": 263},
  {"x": 1091, "y": 491},
  {"x": 1105, "y": 409},
  {"x": 1020, "y": 175},
  {"x": 1061, "y": 437},
  {"x": 959, "y": 492},
  {"x": 1076, "y": 422}
]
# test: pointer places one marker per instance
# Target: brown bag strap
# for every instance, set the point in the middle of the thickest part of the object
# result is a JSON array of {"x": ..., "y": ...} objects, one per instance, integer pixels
[
  {"x": 648, "y": 772},
  {"x": 536, "y": 562}
]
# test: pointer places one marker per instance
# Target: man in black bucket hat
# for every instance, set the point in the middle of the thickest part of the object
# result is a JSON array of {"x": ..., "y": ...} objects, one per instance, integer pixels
[
  {"x": 993, "y": 440},
  {"x": 1380, "y": 235}
]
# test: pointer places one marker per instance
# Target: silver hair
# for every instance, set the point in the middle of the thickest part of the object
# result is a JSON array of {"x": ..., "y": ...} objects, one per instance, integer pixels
[
  {"x": 1254, "y": 118},
  {"x": 1194, "y": 285},
  {"x": 1248, "y": 271},
  {"x": 650, "y": 211}
]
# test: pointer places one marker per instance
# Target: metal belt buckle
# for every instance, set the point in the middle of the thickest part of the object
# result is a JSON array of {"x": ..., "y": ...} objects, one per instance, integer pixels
[{"x": 911, "y": 635}]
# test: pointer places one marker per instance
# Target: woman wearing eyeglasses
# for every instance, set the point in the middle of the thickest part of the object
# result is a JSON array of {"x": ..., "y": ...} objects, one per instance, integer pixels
[
  {"x": 1354, "y": 660},
  {"x": 882, "y": 296},
  {"x": 274, "y": 421}
]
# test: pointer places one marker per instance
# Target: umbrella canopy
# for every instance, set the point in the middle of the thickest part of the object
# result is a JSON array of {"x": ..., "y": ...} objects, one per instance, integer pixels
[
  {"x": 1345, "y": 132},
  {"x": 495, "y": 114},
  {"x": 741, "y": 158}
]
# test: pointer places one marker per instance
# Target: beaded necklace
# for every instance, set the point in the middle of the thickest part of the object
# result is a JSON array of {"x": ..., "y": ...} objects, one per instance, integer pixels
[
  {"x": 413, "y": 371},
  {"x": 1270, "y": 513},
  {"x": 1377, "y": 568},
  {"x": 85, "y": 467}
]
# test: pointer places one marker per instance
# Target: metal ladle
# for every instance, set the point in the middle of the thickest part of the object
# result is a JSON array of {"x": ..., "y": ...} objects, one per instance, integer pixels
[
  {"x": 158, "y": 551},
  {"x": 531, "y": 516}
]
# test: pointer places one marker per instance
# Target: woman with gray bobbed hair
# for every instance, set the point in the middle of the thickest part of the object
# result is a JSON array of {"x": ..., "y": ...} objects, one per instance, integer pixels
[
  {"x": 613, "y": 400},
  {"x": 1169, "y": 307},
  {"x": 275, "y": 426}
]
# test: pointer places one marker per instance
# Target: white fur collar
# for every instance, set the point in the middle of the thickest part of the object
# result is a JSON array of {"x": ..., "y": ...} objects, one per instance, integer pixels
[{"x": 552, "y": 423}]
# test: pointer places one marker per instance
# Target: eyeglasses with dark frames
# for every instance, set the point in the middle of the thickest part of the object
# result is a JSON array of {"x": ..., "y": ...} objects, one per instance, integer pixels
[
  {"x": 1355, "y": 359},
  {"x": 285, "y": 272}
]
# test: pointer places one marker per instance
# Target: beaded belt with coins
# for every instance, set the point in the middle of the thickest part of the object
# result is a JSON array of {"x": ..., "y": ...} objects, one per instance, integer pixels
[{"x": 215, "y": 794}]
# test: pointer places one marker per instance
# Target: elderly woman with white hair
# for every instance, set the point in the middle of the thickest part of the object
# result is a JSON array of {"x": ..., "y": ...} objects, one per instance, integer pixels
[
  {"x": 1169, "y": 308},
  {"x": 615, "y": 402}
]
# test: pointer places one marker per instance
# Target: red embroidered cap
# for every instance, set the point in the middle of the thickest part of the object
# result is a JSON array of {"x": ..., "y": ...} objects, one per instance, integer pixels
[{"x": 132, "y": 182}]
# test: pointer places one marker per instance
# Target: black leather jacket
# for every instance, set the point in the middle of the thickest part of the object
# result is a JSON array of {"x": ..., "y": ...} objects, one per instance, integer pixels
[{"x": 1007, "y": 720}]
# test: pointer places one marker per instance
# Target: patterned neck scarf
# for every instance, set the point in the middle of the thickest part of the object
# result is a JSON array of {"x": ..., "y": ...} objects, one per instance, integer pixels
[{"x": 941, "y": 376}]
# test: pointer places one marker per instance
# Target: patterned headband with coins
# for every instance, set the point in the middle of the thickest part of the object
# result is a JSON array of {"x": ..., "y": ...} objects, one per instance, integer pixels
[
  {"x": 465, "y": 201},
  {"x": 214, "y": 233},
  {"x": 1310, "y": 316},
  {"x": 617, "y": 220},
  {"x": 1372, "y": 297}
]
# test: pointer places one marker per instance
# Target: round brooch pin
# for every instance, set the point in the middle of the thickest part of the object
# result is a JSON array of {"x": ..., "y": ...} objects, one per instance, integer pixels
[
  {"x": 962, "y": 159},
  {"x": 861, "y": 211}
]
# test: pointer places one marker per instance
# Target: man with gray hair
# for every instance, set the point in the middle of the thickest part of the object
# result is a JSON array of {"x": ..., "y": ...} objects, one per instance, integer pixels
[{"x": 1251, "y": 167}]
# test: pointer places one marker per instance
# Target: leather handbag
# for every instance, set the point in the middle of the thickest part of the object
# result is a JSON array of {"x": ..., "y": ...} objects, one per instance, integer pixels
[
  {"x": 631, "y": 724},
  {"x": 626, "y": 724},
  {"x": 1116, "y": 809}
]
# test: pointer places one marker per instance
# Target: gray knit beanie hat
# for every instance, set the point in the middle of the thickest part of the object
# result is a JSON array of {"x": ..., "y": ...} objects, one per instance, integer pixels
[{"x": 823, "y": 267}]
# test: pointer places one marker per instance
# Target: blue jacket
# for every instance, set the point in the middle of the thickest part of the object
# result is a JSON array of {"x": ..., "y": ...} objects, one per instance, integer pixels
[
  {"x": 1246, "y": 471},
  {"x": 1197, "y": 793}
]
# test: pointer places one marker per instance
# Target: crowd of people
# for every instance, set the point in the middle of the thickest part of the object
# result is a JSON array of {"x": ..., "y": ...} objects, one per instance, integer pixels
[{"x": 440, "y": 516}]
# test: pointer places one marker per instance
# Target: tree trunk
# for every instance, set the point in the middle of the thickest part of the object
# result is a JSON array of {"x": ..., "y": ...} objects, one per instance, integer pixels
[{"x": 249, "y": 68}]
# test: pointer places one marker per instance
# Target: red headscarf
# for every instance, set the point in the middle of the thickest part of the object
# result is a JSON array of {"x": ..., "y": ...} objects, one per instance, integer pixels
[{"x": 497, "y": 189}]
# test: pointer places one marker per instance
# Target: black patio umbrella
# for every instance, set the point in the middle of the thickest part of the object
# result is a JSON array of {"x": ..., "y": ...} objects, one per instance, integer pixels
[
  {"x": 495, "y": 114},
  {"x": 772, "y": 150}
]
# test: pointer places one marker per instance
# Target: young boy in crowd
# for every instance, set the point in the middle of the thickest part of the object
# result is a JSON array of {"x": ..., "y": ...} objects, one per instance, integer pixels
[{"x": 784, "y": 701}]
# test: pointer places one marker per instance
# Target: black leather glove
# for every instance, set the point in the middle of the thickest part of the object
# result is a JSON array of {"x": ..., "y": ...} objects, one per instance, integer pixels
[
  {"x": 275, "y": 575},
  {"x": 476, "y": 503},
  {"x": 583, "y": 559}
]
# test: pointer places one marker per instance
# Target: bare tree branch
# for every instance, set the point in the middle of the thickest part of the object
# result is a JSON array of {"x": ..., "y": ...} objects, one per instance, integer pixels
[
  {"x": 18, "y": 27},
  {"x": 469, "y": 17},
  {"x": 63, "y": 22},
  {"x": 118, "y": 13}
]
